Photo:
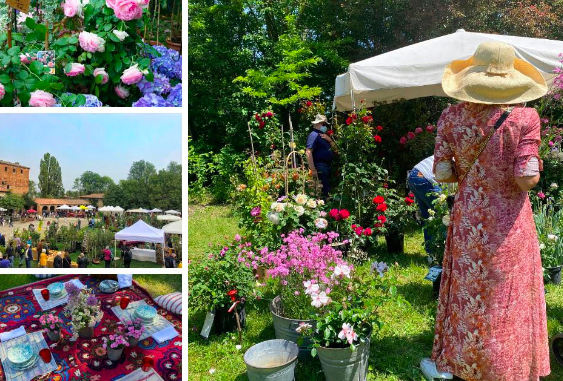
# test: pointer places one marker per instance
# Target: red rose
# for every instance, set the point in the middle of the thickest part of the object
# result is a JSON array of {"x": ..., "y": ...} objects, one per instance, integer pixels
[
  {"x": 381, "y": 207},
  {"x": 273, "y": 146},
  {"x": 330, "y": 132},
  {"x": 382, "y": 219},
  {"x": 366, "y": 119},
  {"x": 378, "y": 200},
  {"x": 308, "y": 103},
  {"x": 269, "y": 114},
  {"x": 264, "y": 115},
  {"x": 377, "y": 138},
  {"x": 379, "y": 128},
  {"x": 334, "y": 214},
  {"x": 378, "y": 225},
  {"x": 410, "y": 135},
  {"x": 408, "y": 200},
  {"x": 367, "y": 232},
  {"x": 418, "y": 130},
  {"x": 344, "y": 214},
  {"x": 354, "y": 116},
  {"x": 354, "y": 226},
  {"x": 359, "y": 230},
  {"x": 232, "y": 294},
  {"x": 385, "y": 185},
  {"x": 349, "y": 121},
  {"x": 262, "y": 124},
  {"x": 430, "y": 128},
  {"x": 299, "y": 110},
  {"x": 257, "y": 117},
  {"x": 411, "y": 195}
]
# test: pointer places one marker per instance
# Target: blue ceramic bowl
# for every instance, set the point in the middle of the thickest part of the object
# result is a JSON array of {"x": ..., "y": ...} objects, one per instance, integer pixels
[
  {"x": 56, "y": 288},
  {"x": 146, "y": 313},
  {"x": 21, "y": 354}
]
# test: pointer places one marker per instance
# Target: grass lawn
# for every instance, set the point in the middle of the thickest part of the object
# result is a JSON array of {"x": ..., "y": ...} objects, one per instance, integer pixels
[
  {"x": 395, "y": 352},
  {"x": 154, "y": 284}
]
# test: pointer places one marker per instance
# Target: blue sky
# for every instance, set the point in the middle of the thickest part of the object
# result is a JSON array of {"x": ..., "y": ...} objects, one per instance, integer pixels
[{"x": 104, "y": 143}]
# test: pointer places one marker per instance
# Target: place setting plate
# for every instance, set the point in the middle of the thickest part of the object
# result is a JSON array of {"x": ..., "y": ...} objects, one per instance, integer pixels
[
  {"x": 57, "y": 290},
  {"x": 22, "y": 357},
  {"x": 109, "y": 286},
  {"x": 146, "y": 313}
]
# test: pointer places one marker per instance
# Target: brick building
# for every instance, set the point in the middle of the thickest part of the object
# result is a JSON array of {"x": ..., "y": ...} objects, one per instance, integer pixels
[
  {"x": 51, "y": 204},
  {"x": 14, "y": 178},
  {"x": 96, "y": 199}
]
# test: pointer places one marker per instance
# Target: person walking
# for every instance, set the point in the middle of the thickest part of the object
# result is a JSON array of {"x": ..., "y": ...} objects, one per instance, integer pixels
[
  {"x": 21, "y": 255},
  {"x": 107, "y": 257},
  {"x": 10, "y": 253},
  {"x": 58, "y": 262},
  {"x": 320, "y": 152},
  {"x": 127, "y": 256},
  {"x": 491, "y": 317},
  {"x": 28, "y": 256},
  {"x": 43, "y": 258}
]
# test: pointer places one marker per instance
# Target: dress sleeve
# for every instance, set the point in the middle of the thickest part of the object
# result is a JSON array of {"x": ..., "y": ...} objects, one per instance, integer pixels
[
  {"x": 528, "y": 148},
  {"x": 443, "y": 166}
]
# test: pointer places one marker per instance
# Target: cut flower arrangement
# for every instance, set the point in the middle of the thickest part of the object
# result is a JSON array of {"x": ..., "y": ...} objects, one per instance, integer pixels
[{"x": 82, "y": 308}]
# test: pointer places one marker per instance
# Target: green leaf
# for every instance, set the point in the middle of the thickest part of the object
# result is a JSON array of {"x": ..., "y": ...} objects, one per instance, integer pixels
[
  {"x": 97, "y": 92},
  {"x": 36, "y": 67},
  {"x": 18, "y": 84},
  {"x": 4, "y": 79},
  {"x": 99, "y": 78},
  {"x": 314, "y": 352},
  {"x": 14, "y": 51},
  {"x": 113, "y": 37},
  {"x": 23, "y": 74},
  {"x": 24, "y": 96},
  {"x": 73, "y": 40},
  {"x": 6, "y": 60},
  {"x": 108, "y": 27},
  {"x": 61, "y": 41},
  {"x": 30, "y": 23},
  {"x": 144, "y": 63},
  {"x": 80, "y": 100},
  {"x": 41, "y": 29}
]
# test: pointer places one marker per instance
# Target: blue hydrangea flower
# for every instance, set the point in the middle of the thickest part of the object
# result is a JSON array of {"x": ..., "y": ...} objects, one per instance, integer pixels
[
  {"x": 175, "y": 97},
  {"x": 151, "y": 100},
  {"x": 169, "y": 63},
  {"x": 159, "y": 86}
]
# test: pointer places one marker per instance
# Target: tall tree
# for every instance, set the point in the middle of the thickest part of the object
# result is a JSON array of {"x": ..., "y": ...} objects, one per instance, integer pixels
[
  {"x": 12, "y": 202},
  {"x": 90, "y": 182},
  {"x": 141, "y": 171},
  {"x": 50, "y": 177},
  {"x": 166, "y": 188}
]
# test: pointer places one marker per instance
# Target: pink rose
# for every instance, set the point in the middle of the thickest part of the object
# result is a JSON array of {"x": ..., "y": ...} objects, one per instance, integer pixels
[
  {"x": 91, "y": 42},
  {"x": 132, "y": 75},
  {"x": 143, "y": 3},
  {"x": 71, "y": 7},
  {"x": 2, "y": 91},
  {"x": 110, "y": 3},
  {"x": 24, "y": 59},
  {"x": 40, "y": 98},
  {"x": 121, "y": 92},
  {"x": 75, "y": 69},
  {"x": 127, "y": 10},
  {"x": 410, "y": 135},
  {"x": 403, "y": 140},
  {"x": 430, "y": 128},
  {"x": 103, "y": 73},
  {"x": 418, "y": 130}
]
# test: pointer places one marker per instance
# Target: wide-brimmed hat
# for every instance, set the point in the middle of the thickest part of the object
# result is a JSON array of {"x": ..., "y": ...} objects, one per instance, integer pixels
[
  {"x": 320, "y": 119},
  {"x": 493, "y": 75}
]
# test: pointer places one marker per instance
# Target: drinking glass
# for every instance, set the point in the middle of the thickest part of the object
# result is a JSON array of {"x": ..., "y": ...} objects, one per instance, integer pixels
[
  {"x": 124, "y": 302},
  {"x": 148, "y": 363},
  {"x": 45, "y": 355},
  {"x": 45, "y": 294}
]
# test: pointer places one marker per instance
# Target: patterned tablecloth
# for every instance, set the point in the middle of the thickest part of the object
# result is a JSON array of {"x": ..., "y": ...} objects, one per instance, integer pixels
[
  {"x": 158, "y": 325},
  {"x": 84, "y": 360}
]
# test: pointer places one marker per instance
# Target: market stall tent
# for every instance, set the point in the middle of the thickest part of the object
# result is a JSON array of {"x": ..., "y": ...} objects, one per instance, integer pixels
[
  {"x": 172, "y": 212},
  {"x": 416, "y": 70},
  {"x": 173, "y": 227},
  {"x": 168, "y": 217},
  {"x": 140, "y": 231}
]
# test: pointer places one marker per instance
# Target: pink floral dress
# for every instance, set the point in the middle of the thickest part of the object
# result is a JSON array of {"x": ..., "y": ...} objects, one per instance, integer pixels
[{"x": 491, "y": 319}]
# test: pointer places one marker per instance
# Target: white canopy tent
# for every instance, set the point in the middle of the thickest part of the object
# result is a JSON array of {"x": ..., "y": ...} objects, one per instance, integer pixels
[
  {"x": 90, "y": 207},
  {"x": 142, "y": 232},
  {"x": 63, "y": 207},
  {"x": 173, "y": 227},
  {"x": 3, "y": 210},
  {"x": 138, "y": 210},
  {"x": 118, "y": 209},
  {"x": 168, "y": 217},
  {"x": 172, "y": 212},
  {"x": 416, "y": 70},
  {"x": 75, "y": 208},
  {"x": 155, "y": 210}
]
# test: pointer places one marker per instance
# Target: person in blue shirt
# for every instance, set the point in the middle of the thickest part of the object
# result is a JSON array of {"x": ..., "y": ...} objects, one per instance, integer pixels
[
  {"x": 320, "y": 152},
  {"x": 4, "y": 263}
]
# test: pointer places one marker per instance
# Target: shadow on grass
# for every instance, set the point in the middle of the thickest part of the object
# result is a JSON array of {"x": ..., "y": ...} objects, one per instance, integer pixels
[{"x": 419, "y": 295}]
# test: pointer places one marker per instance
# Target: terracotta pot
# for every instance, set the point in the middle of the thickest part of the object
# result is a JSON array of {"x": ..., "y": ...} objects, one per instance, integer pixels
[
  {"x": 86, "y": 333},
  {"x": 155, "y": 43},
  {"x": 174, "y": 45}
]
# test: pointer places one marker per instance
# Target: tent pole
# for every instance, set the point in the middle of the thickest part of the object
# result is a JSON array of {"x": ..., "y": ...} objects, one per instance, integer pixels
[
  {"x": 115, "y": 248},
  {"x": 353, "y": 101}
]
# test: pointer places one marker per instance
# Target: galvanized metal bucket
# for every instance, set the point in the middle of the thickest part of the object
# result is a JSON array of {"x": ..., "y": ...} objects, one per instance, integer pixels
[
  {"x": 285, "y": 328},
  {"x": 343, "y": 364},
  {"x": 272, "y": 360}
]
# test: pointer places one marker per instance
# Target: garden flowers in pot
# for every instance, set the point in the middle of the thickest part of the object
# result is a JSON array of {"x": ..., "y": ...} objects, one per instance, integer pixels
[
  {"x": 134, "y": 330},
  {"x": 345, "y": 320},
  {"x": 213, "y": 277},
  {"x": 115, "y": 343},
  {"x": 549, "y": 226},
  {"x": 83, "y": 310},
  {"x": 51, "y": 323}
]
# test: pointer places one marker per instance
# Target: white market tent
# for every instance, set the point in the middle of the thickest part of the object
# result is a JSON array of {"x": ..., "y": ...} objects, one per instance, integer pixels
[
  {"x": 138, "y": 210},
  {"x": 75, "y": 208},
  {"x": 173, "y": 227},
  {"x": 142, "y": 232},
  {"x": 168, "y": 217},
  {"x": 3, "y": 210},
  {"x": 90, "y": 207},
  {"x": 63, "y": 207},
  {"x": 416, "y": 70},
  {"x": 155, "y": 210},
  {"x": 118, "y": 209},
  {"x": 172, "y": 212}
]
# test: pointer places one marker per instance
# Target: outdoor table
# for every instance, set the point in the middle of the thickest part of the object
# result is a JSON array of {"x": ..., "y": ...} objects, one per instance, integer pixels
[
  {"x": 34, "y": 253},
  {"x": 144, "y": 254},
  {"x": 86, "y": 359}
]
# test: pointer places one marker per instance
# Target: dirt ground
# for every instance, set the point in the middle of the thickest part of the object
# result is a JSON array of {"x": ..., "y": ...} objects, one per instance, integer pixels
[{"x": 9, "y": 232}]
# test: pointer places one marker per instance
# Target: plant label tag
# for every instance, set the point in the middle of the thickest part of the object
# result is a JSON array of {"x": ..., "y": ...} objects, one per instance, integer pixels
[
  {"x": 207, "y": 324},
  {"x": 20, "y": 5},
  {"x": 433, "y": 273},
  {"x": 47, "y": 58}
]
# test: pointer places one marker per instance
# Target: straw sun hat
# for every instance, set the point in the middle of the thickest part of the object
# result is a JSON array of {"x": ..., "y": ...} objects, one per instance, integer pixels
[
  {"x": 320, "y": 119},
  {"x": 493, "y": 75}
]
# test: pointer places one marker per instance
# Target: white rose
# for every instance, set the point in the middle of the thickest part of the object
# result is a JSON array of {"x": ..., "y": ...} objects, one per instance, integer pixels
[
  {"x": 552, "y": 237},
  {"x": 446, "y": 219},
  {"x": 542, "y": 246},
  {"x": 431, "y": 212},
  {"x": 430, "y": 218},
  {"x": 312, "y": 204},
  {"x": 120, "y": 34},
  {"x": 301, "y": 199},
  {"x": 299, "y": 209},
  {"x": 554, "y": 185},
  {"x": 321, "y": 223},
  {"x": 278, "y": 206},
  {"x": 442, "y": 198},
  {"x": 320, "y": 202},
  {"x": 274, "y": 218}
]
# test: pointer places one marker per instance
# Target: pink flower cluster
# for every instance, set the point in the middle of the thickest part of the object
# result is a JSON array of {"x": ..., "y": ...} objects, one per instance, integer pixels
[
  {"x": 417, "y": 131},
  {"x": 318, "y": 298},
  {"x": 348, "y": 333},
  {"x": 134, "y": 329},
  {"x": 128, "y": 10},
  {"x": 50, "y": 321},
  {"x": 116, "y": 341},
  {"x": 91, "y": 42}
]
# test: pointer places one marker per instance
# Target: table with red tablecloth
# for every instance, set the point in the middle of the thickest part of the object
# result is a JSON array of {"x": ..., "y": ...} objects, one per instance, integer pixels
[{"x": 83, "y": 360}]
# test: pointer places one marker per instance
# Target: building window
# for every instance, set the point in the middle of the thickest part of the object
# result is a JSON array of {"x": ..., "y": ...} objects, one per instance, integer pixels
[
  {"x": 21, "y": 171},
  {"x": 13, "y": 170},
  {"x": 5, "y": 169},
  {"x": 8, "y": 187}
]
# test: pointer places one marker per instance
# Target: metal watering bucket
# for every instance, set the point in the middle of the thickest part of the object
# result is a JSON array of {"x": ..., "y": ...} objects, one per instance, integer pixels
[
  {"x": 341, "y": 364},
  {"x": 272, "y": 360}
]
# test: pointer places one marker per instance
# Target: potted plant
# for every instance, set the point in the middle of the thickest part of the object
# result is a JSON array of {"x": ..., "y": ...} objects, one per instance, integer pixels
[
  {"x": 115, "y": 343},
  {"x": 549, "y": 224},
  {"x": 396, "y": 219},
  {"x": 218, "y": 274},
  {"x": 134, "y": 330},
  {"x": 51, "y": 323},
  {"x": 302, "y": 260},
  {"x": 347, "y": 318},
  {"x": 83, "y": 310}
]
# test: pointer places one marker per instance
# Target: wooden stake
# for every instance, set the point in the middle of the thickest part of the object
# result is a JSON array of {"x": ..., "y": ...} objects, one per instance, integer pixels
[
  {"x": 252, "y": 148},
  {"x": 292, "y": 142},
  {"x": 47, "y": 36}
]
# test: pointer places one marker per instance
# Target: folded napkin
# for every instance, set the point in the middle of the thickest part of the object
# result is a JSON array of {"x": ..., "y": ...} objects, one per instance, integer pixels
[
  {"x": 166, "y": 334},
  {"x": 124, "y": 280},
  {"x": 77, "y": 283},
  {"x": 12, "y": 334}
]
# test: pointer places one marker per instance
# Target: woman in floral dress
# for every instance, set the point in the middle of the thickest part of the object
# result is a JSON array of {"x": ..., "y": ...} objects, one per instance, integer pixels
[{"x": 491, "y": 319}]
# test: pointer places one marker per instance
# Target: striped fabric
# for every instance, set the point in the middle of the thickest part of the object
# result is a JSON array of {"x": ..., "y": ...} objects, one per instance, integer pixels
[
  {"x": 170, "y": 302},
  {"x": 139, "y": 375},
  {"x": 126, "y": 315},
  {"x": 36, "y": 339}
]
